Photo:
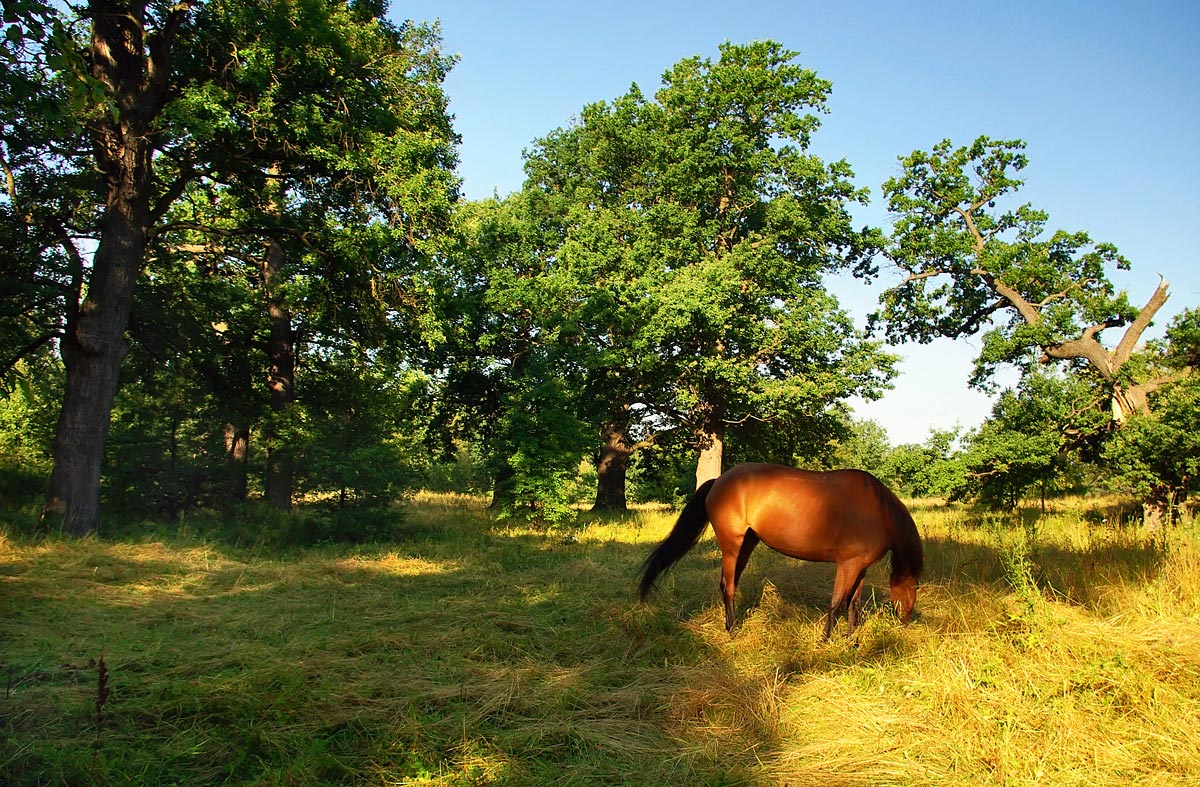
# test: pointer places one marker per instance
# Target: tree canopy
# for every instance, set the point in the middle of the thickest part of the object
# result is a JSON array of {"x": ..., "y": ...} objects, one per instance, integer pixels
[
  {"x": 698, "y": 228},
  {"x": 972, "y": 263},
  {"x": 237, "y": 266}
]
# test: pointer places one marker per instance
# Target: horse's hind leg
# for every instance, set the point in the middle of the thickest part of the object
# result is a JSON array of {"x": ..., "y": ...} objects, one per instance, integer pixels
[
  {"x": 733, "y": 562},
  {"x": 749, "y": 542},
  {"x": 728, "y": 585}
]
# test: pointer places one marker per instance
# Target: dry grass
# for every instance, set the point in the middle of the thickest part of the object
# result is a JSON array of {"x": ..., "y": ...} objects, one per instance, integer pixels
[{"x": 1058, "y": 650}]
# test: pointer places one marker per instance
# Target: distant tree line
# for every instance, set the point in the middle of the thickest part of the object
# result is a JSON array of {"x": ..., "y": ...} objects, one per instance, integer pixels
[{"x": 236, "y": 267}]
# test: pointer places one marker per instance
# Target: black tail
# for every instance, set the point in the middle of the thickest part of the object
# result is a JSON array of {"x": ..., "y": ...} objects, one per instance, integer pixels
[{"x": 682, "y": 537}]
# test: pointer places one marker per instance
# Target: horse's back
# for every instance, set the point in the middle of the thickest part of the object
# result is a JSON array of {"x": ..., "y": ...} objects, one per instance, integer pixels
[{"x": 814, "y": 515}]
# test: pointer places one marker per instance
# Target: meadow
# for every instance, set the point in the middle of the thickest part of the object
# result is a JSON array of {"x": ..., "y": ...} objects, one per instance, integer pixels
[{"x": 1050, "y": 649}]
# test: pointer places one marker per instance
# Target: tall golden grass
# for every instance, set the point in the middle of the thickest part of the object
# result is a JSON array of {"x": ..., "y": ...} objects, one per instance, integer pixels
[{"x": 1054, "y": 649}]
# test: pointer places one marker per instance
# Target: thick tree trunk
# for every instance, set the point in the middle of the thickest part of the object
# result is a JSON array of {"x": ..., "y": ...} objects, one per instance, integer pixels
[
  {"x": 281, "y": 381},
  {"x": 1160, "y": 509},
  {"x": 93, "y": 346},
  {"x": 503, "y": 488},
  {"x": 611, "y": 468},
  {"x": 92, "y": 352},
  {"x": 709, "y": 465},
  {"x": 1153, "y": 515},
  {"x": 711, "y": 437}
]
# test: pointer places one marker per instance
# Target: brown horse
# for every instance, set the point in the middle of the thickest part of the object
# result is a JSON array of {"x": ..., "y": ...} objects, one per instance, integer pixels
[{"x": 847, "y": 517}]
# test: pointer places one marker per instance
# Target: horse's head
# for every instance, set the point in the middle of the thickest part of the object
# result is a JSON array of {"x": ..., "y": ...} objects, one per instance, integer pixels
[{"x": 904, "y": 597}]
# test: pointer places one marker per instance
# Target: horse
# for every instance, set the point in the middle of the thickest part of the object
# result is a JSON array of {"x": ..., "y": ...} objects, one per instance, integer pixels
[{"x": 847, "y": 517}]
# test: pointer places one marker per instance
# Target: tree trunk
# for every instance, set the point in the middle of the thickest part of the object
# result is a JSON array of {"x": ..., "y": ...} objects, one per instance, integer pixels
[
  {"x": 92, "y": 370},
  {"x": 611, "y": 468},
  {"x": 503, "y": 488},
  {"x": 281, "y": 380},
  {"x": 93, "y": 345},
  {"x": 237, "y": 444},
  {"x": 711, "y": 437},
  {"x": 1160, "y": 508},
  {"x": 1154, "y": 514}
]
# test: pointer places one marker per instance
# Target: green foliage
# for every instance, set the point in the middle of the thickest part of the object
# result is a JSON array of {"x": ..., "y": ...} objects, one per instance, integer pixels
[
  {"x": 542, "y": 459},
  {"x": 689, "y": 234},
  {"x": 974, "y": 264},
  {"x": 28, "y": 410},
  {"x": 355, "y": 415},
  {"x": 508, "y": 358},
  {"x": 321, "y": 128},
  {"x": 748, "y": 330},
  {"x": 864, "y": 446},
  {"x": 463, "y": 471},
  {"x": 1183, "y": 340},
  {"x": 48, "y": 185},
  {"x": 660, "y": 273},
  {"x": 934, "y": 469},
  {"x": 1156, "y": 456},
  {"x": 1034, "y": 437}
]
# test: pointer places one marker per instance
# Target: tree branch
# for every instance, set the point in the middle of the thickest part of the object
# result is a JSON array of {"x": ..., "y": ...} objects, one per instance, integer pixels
[
  {"x": 28, "y": 349},
  {"x": 966, "y": 326},
  {"x": 1140, "y": 323}
]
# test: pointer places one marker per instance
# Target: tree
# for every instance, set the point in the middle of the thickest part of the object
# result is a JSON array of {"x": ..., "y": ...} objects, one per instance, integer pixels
[
  {"x": 1156, "y": 454},
  {"x": 1034, "y": 436},
  {"x": 748, "y": 329},
  {"x": 589, "y": 186},
  {"x": 335, "y": 179},
  {"x": 347, "y": 130},
  {"x": 933, "y": 469},
  {"x": 116, "y": 84},
  {"x": 969, "y": 265},
  {"x": 698, "y": 227},
  {"x": 41, "y": 150},
  {"x": 506, "y": 359},
  {"x": 864, "y": 446}
]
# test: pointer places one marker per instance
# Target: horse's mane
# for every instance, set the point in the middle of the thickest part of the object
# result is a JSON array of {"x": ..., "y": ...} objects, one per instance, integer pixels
[{"x": 908, "y": 556}]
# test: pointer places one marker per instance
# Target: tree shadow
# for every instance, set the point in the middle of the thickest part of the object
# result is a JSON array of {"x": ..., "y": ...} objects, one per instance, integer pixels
[{"x": 470, "y": 647}]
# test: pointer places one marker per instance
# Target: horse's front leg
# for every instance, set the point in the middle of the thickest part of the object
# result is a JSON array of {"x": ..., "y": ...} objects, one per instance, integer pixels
[
  {"x": 847, "y": 584},
  {"x": 854, "y": 613}
]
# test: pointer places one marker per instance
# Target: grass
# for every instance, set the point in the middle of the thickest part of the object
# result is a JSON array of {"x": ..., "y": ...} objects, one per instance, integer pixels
[{"x": 1054, "y": 650}]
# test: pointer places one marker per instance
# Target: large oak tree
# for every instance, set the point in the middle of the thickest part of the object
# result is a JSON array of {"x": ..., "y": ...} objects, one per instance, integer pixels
[
  {"x": 175, "y": 99},
  {"x": 970, "y": 264},
  {"x": 699, "y": 226}
]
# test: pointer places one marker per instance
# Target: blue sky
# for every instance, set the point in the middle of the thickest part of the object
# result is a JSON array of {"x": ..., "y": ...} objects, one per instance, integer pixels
[{"x": 1105, "y": 94}]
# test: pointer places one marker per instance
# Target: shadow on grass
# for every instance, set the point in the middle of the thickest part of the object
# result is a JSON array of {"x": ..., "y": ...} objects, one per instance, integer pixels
[{"x": 478, "y": 652}]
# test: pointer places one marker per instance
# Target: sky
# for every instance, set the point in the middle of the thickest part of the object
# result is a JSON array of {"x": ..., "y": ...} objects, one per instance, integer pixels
[{"x": 1106, "y": 96}]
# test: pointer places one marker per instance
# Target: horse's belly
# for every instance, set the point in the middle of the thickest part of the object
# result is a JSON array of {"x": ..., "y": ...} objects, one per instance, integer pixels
[
  {"x": 817, "y": 551},
  {"x": 821, "y": 544}
]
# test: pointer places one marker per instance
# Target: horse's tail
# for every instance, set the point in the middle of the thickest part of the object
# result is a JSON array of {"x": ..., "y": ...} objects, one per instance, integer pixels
[
  {"x": 908, "y": 555},
  {"x": 682, "y": 537}
]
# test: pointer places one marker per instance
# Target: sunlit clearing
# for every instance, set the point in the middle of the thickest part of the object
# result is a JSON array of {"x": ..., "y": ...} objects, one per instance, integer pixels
[{"x": 396, "y": 565}]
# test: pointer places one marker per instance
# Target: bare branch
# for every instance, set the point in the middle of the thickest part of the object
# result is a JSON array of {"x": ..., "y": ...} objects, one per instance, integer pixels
[
  {"x": 1057, "y": 296},
  {"x": 967, "y": 325},
  {"x": 1134, "y": 332},
  {"x": 921, "y": 276},
  {"x": 28, "y": 349}
]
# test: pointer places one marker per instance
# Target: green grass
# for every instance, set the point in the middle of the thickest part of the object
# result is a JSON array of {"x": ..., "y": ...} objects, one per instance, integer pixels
[{"x": 1052, "y": 651}]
